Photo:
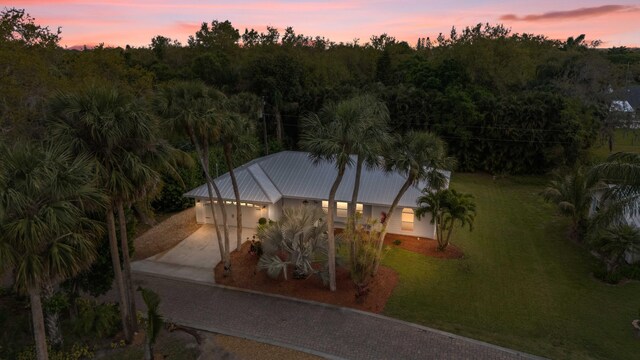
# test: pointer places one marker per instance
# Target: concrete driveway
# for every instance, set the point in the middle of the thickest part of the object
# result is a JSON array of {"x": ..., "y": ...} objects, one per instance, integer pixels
[{"x": 193, "y": 258}]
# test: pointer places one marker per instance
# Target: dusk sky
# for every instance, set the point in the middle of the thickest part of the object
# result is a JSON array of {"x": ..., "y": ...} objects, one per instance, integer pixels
[{"x": 135, "y": 22}]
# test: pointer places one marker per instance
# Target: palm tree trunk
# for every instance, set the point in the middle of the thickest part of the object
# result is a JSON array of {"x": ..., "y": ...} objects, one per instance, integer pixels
[
  {"x": 446, "y": 242},
  {"x": 354, "y": 202},
  {"x": 52, "y": 318},
  {"x": 383, "y": 233},
  {"x": 126, "y": 260},
  {"x": 38, "y": 323},
  {"x": 223, "y": 210},
  {"x": 204, "y": 163},
  {"x": 278, "y": 117},
  {"x": 236, "y": 193},
  {"x": 117, "y": 271},
  {"x": 148, "y": 350},
  {"x": 330, "y": 227}
]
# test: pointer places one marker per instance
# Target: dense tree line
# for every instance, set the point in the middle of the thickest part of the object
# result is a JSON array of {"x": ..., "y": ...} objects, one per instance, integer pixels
[{"x": 503, "y": 102}]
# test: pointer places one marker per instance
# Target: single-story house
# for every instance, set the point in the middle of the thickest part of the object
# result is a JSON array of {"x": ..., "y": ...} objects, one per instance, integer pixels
[{"x": 291, "y": 178}]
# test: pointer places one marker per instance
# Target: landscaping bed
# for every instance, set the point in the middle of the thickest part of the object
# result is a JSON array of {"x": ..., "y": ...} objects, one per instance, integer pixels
[
  {"x": 428, "y": 247},
  {"x": 246, "y": 276}
]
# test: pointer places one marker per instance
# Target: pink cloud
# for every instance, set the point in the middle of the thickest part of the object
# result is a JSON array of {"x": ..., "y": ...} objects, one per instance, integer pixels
[{"x": 572, "y": 14}]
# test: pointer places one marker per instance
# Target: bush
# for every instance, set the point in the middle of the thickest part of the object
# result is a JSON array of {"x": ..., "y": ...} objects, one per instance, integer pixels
[
  {"x": 76, "y": 352},
  {"x": 610, "y": 278},
  {"x": 397, "y": 242},
  {"x": 631, "y": 271},
  {"x": 262, "y": 221},
  {"x": 102, "y": 320}
]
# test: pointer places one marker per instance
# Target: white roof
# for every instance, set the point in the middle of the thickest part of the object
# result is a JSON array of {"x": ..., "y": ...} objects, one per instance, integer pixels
[{"x": 293, "y": 174}]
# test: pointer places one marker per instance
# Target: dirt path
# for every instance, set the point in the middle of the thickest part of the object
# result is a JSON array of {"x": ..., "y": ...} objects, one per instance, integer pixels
[{"x": 166, "y": 234}]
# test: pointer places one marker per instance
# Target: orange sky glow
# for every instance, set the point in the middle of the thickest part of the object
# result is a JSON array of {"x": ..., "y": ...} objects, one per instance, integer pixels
[{"x": 135, "y": 22}]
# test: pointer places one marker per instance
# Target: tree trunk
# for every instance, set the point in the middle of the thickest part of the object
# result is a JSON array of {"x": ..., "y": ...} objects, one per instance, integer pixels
[
  {"x": 330, "y": 227},
  {"x": 38, "y": 324},
  {"x": 236, "y": 193},
  {"x": 354, "y": 202},
  {"x": 223, "y": 210},
  {"x": 52, "y": 318},
  {"x": 383, "y": 233},
  {"x": 148, "y": 350},
  {"x": 278, "y": 117},
  {"x": 204, "y": 162},
  {"x": 122, "y": 291},
  {"x": 126, "y": 261},
  {"x": 446, "y": 242}
]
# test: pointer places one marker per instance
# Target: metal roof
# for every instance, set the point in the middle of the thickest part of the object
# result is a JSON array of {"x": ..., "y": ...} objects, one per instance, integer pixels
[{"x": 293, "y": 174}]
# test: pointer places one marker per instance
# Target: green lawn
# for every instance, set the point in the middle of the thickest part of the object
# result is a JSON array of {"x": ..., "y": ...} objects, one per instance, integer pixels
[
  {"x": 624, "y": 140},
  {"x": 522, "y": 284}
]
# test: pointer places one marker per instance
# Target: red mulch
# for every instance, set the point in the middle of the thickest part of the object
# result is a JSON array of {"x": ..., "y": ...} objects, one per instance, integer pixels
[
  {"x": 424, "y": 246},
  {"x": 245, "y": 276}
]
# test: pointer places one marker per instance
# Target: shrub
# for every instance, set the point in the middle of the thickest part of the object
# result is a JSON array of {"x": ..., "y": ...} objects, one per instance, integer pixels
[
  {"x": 102, "y": 320},
  {"x": 608, "y": 277},
  {"x": 301, "y": 235},
  {"x": 397, "y": 242},
  {"x": 77, "y": 352},
  {"x": 363, "y": 242},
  {"x": 262, "y": 221}
]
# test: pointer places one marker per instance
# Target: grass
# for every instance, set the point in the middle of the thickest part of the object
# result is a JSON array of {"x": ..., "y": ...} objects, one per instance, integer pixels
[
  {"x": 624, "y": 140},
  {"x": 522, "y": 285}
]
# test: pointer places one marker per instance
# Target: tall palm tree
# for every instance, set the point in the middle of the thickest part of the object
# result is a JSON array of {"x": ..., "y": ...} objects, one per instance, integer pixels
[
  {"x": 119, "y": 135},
  {"x": 329, "y": 136},
  {"x": 446, "y": 207},
  {"x": 419, "y": 156},
  {"x": 573, "y": 194},
  {"x": 192, "y": 109},
  {"x": 45, "y": 233}
]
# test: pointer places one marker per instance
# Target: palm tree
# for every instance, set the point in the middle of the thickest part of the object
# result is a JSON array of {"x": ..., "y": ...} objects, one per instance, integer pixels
[
  {"x": 45, "y": 233},
  {"x": 330, "y": 136},
  {"x": 419, "y": 156},
  {"x": 191, "y": 108},
  {"x": 621, "y": 172},
  {"x": 573, "y": 194},
  {"x": 615, "y": 241},
  {"x": 234, "y": 128},
  {"x": 446, "y": 207},
  {"x": 120, "y": 137}
]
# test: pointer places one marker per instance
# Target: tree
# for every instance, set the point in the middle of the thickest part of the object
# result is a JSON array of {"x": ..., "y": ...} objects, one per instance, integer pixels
[
  {"x": 330, "y": 136},
  {"x": 614, "y": 242},
  {"x": 446, "y": 207},
  {"x": 220, "y": 35},
  {"x": 154, "y": 321},
  {"x": 420, "y": 156},
  {"x": 120, "y": 137},
  {"x": 18, "y": 27},
  {"x": 621, "y": 172},
  {"x": 190, "y": 108},
  {"x": 573, "y": 194},
  {"x": 234, "y": 128},
  {"x": 45, "y": 233}
]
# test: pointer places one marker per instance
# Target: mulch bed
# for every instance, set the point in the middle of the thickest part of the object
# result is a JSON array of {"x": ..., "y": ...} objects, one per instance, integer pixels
[
  {"x": 424, "y": 246},
  {"x": 245, "y": 276}
]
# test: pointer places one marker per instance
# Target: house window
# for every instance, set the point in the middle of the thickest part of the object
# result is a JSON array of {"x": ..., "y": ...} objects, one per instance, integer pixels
[
  {"x": 407, "y": 219},
  {"x": 325, "y": 206},
  {"x": 359, "y": 208},
  {"x": 342, "y": 209}
]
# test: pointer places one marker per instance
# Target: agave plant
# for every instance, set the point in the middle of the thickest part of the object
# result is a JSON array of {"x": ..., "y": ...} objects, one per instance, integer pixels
[{"x": 301, "y": 234}]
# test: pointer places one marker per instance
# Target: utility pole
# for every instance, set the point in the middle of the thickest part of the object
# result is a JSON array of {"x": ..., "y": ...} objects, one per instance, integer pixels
[{"x": 264, "y": 128}]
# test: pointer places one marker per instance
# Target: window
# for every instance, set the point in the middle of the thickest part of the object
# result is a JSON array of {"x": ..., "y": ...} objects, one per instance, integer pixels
[
  {"x": 359, "y": 208},
  {"x": 407, "y": 219},
  {"x": 325, "y": 206},
  {"x": 342, "y": 209}
]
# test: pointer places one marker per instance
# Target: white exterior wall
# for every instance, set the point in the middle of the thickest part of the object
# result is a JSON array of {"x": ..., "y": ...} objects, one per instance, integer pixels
[
  {"x": 250, "y": 215},
  {"x": 421, "y": 228}
]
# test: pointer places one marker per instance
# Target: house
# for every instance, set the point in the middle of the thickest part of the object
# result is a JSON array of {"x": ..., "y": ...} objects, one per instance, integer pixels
[
  {"x": 626, "y": 102},
  {"x": 291, "y": 178}
]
